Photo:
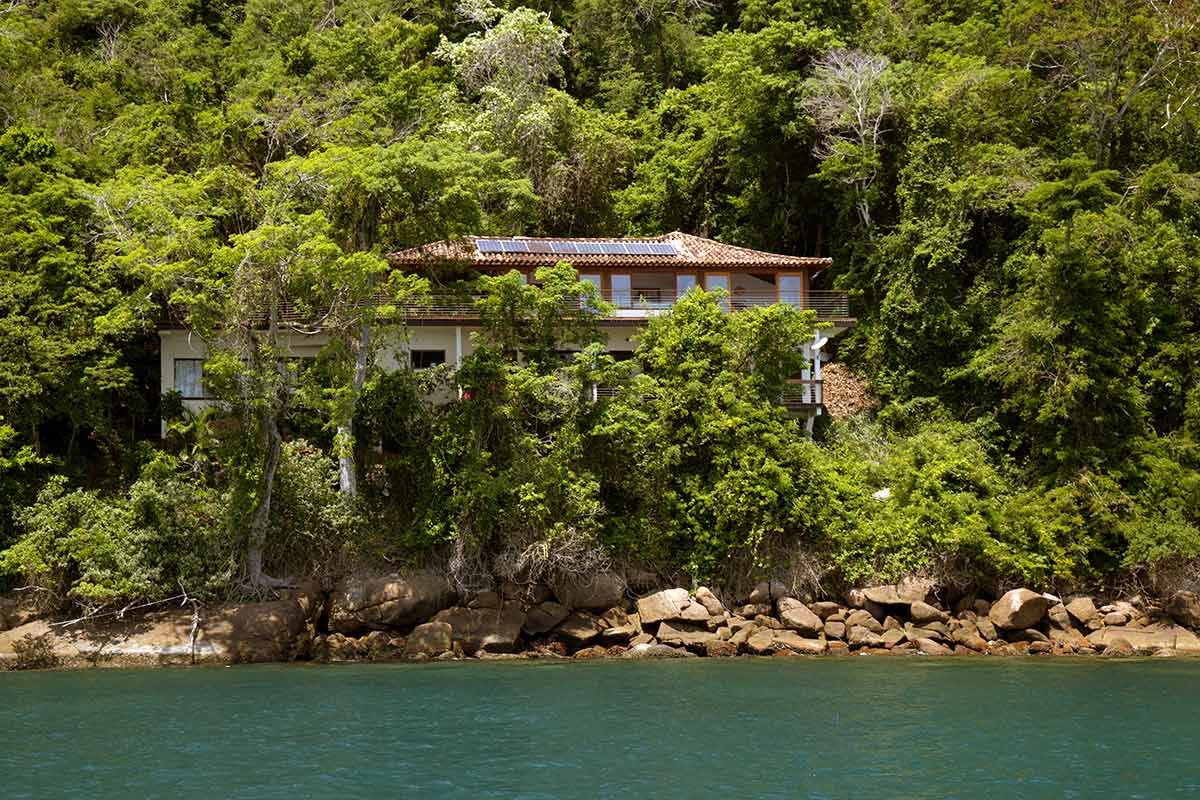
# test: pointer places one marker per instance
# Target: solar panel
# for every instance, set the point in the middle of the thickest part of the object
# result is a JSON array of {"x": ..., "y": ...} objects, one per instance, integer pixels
[
  {"x": 540, "y": 246},
  {"x": 591, "y": 248},
  {"x": 512, "y": 246},
  {"x": 564, "y": 247},
  {"x": 640, "y": 249},
  {"x": 488, "y": 246},
  {"x": 664, "y": 249}
]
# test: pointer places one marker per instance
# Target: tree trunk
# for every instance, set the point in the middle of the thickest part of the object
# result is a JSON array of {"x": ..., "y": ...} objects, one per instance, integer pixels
[
  {"x": 272, "y": 444},
  {"x": 347, "y": 473}
]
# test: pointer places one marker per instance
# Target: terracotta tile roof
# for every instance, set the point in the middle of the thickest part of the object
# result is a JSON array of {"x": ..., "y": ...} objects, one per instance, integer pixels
[{"x": 690, "y": 252}]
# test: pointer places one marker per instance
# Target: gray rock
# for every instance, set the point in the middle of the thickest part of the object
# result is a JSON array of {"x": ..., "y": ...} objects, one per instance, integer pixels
[
  {"x": 685, "y": 635},
  {"x": 484, "y": 600},
  {"x": 487, "y": 629},
  {"x": 710, "y": 601},
  {"x": 1018, "y": 609},
  {"x": 1082, "y": 610},
  {"x": 932, "y": 648},
  {"x": 579, "y": 628},
  {"x": 392, "y": 601},
  {"x": 863, "y": 619},
  {"x": 921, "y": 612},
  {"x": 790, "y": 640},
  {"x": 431, "y": 639},
  {"x": 1059, "y": 617},
  {"x": 797, "y": 616},
  {"x": 1150, "y": 638},
  {"x": 647, "y": 650},
  {"x": 863, "y": 637},
  {"x": 596, "y": 592},
  {"x": 825, "y": 609},
  {"x": 544, "y": 617},
  {"x": 1184, "y": 608},
  {"x": 760, "y": 641},
  {"x": 664, "y": 605},
  {"x": 1115, "y": 618}
]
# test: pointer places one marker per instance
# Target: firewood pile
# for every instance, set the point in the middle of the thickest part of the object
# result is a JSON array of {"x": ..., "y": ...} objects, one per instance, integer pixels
[{"x": 845, "y": 393}]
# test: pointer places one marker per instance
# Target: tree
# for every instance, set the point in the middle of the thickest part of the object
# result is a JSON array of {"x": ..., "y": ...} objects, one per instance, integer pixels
[{"x": 849, "y": 99}]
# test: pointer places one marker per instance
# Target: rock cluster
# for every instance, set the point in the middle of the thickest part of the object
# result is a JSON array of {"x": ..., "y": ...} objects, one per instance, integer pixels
[{"x": 419, "y": 617}]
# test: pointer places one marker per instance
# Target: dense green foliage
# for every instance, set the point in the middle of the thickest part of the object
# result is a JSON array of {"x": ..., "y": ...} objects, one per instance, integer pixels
[{"x": 1010, "y": 190}]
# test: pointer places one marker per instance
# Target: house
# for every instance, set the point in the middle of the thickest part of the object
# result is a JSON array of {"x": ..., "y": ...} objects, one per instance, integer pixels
[{"x": 640, "y": 277}]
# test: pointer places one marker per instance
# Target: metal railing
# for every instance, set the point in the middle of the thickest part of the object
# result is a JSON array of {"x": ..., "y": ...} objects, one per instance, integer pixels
[
  {"x": 799, "y": 395},
  {"x": 827, "y": 304}
]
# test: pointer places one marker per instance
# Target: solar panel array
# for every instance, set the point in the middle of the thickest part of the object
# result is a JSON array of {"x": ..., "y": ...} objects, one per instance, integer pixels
[{"x": 569, "y": 247}]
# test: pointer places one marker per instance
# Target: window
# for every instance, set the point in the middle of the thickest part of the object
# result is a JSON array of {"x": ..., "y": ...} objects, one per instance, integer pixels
[
  {"x": 189, "y": 381},
  {"x": 424, "y": 359},
  {"x": 622, "y": 293},
  {"x": 684, "y": 284},
  {"x": 790, "y": 290},
  {"x": 718, "y": 280}
]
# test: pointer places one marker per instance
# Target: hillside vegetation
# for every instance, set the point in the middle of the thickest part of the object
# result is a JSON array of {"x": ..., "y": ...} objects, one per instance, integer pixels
[{"x": 1010, "y": 191}]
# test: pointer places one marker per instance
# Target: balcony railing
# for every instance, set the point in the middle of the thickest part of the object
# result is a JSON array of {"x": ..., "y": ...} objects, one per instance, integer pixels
[
  {"x": 799, "y": 395},
  {"x": 827, "y": 304}
]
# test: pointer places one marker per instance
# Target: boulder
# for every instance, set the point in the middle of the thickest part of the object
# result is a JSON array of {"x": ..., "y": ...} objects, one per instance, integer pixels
[
  {"x": 768, "y": 622},
  {"x": 1115, "y": 619},
  {"x": 18, "y": 610},
  {"x": 790, "y": 640},
  {"x": 742, "y": 635},
  {"x": 594, "y": 592},
  {"x": 1118, "y": 647},
  {"x": 912, "y": 633},
  {"x": 1184, "y": 608},
  {"x": 596, "y": 651},
  {"x": 885, "y": 596},
  {"x": 578, "y": 628},
  {"x": 1149, "y": 639},
  {"x": 890, "y": 623},
  {"x": 797, "y": 616},
  {"x": 620, "y": 634},
  {"x": 429, "y": 639},
  {"x": 486, "y": 629},
  {"x": 655, "y": 651},
  {"x": 760, "y": 641},
  {"x": 1082, "y": 610},
  {"x": 752, "y": 610},
  {"x": 863, "y": 619},
  {"x": 694, "y": 612},
  {"x": 720, "y": 649},
  {"x": 921, "y": 612},
  {"x": 892, "y": 637},
  {"x": 544, "y": 617},
  {"x": 711, "y": 603},
  {"x": 1059, "y": 617},
  {"x": 986, "y": 629},
  {"x": 685, "y": 635},
  {"x": 223, "y": 634},
  {"x": 664, "y": 605},
  {"x": 825, "y": 609},
  {"x": 836, "y": 648},
  {"x": 1018, "y": 609},
  {"x": 863, "y": 637},
  {"x": 392, "y": 601},
  {"x": 835, "y": 630},
  {"x": 931, "y": 648},
  {"x": 642, "y": 638},
  {"x": 1070, "y": 637}
]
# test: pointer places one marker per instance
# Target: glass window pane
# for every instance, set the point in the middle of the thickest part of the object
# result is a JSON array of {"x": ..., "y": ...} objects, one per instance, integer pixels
[
  {"x": 790, "y": 290},
  {"x": 684, "y": 284},
  {"x": 622, "y": 292},
  {"x": 188, "y": 378},
  {"x": 424, "y": 359}
]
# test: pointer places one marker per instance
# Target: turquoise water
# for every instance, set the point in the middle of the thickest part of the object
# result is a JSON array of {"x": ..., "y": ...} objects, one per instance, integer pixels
[{"x": 862, "y": 728}]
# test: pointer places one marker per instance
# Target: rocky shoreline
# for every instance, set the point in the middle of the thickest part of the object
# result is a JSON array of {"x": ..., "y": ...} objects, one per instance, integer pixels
[{"x": 420, "y": 618}]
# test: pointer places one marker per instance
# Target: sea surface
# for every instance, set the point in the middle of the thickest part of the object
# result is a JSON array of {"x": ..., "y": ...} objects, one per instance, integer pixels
[{"x": 801, "y": 728}]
